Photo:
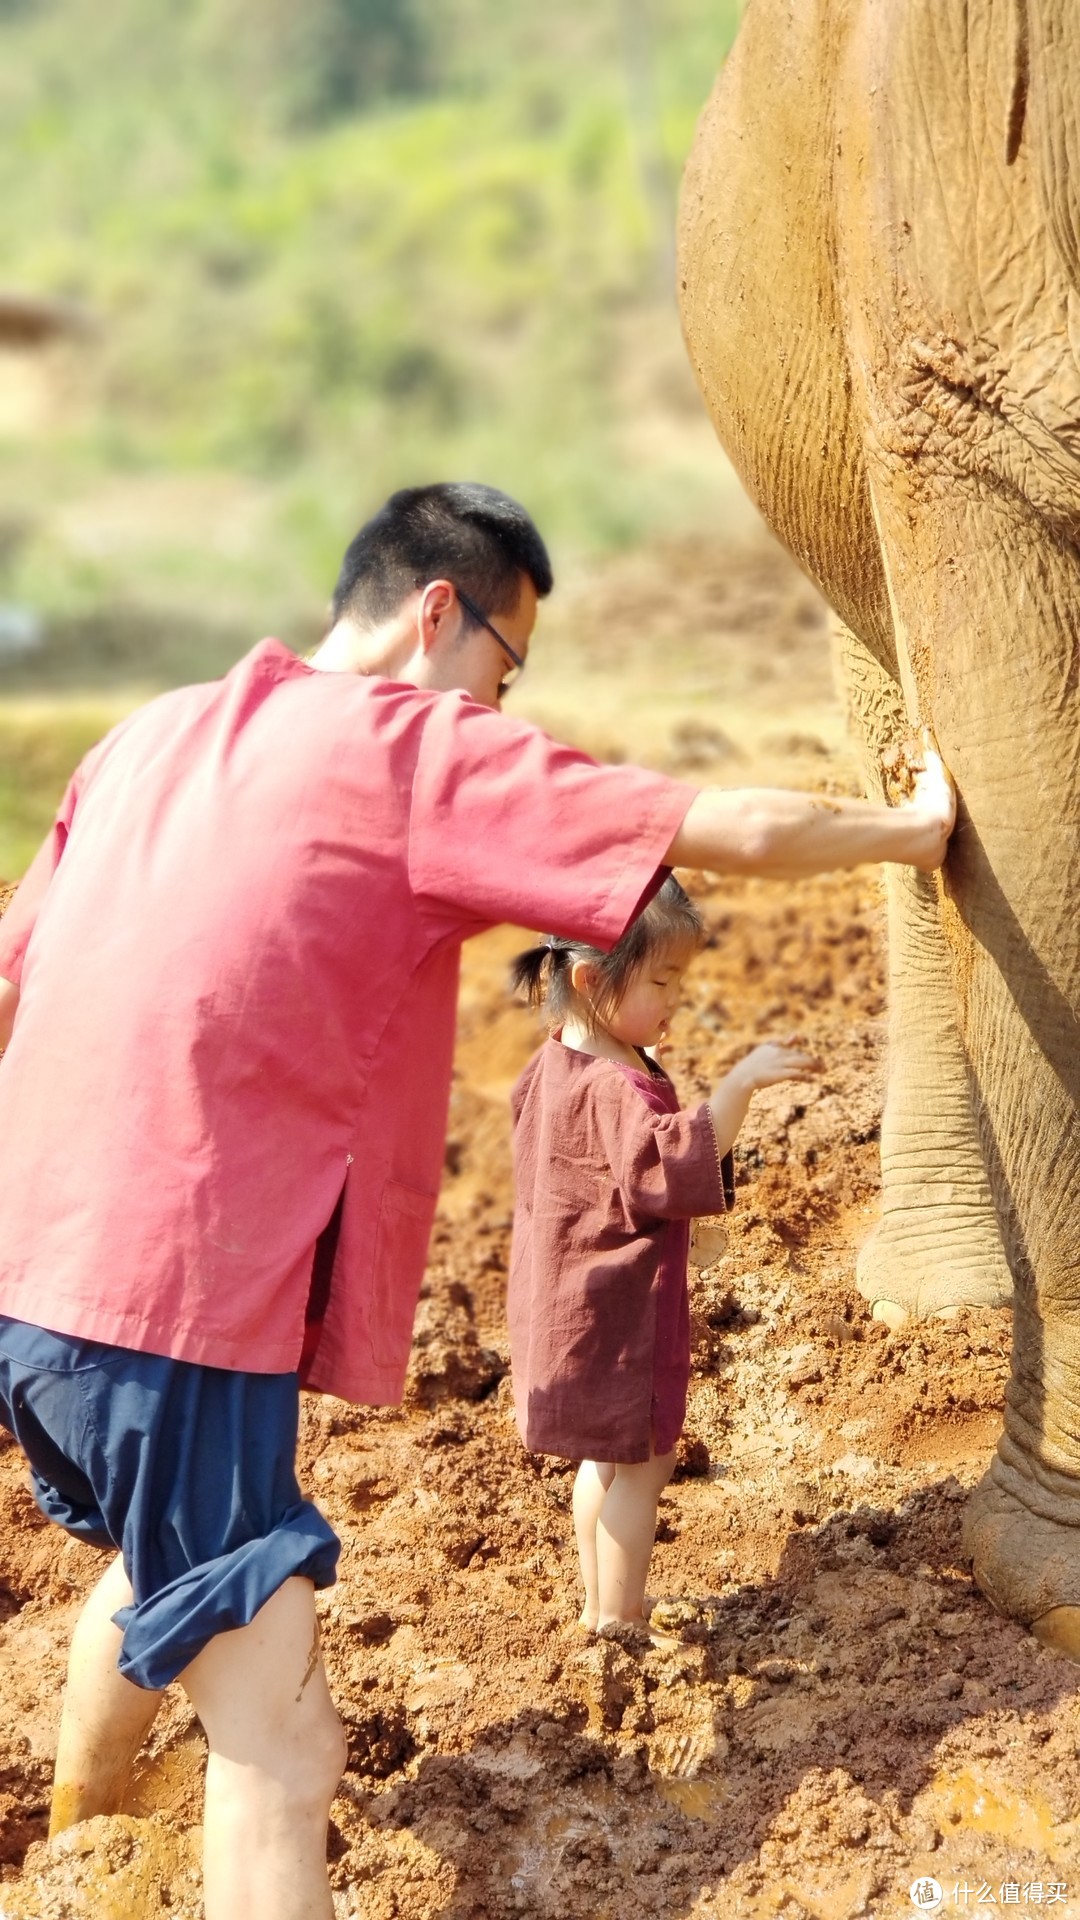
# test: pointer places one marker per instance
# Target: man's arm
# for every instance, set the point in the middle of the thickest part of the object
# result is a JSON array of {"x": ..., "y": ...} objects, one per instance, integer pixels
[
  {"x": 9, "y": 1000},
  {"x": 784, "y": 836}
]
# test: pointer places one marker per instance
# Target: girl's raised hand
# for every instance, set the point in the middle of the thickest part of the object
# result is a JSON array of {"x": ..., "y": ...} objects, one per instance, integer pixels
[
  {"x": 774, "y": 1060},
  {"x": 777, "y": 1060}
]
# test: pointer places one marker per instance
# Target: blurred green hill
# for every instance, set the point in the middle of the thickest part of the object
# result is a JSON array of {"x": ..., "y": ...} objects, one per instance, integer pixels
[{"x": 326, "y": 250}]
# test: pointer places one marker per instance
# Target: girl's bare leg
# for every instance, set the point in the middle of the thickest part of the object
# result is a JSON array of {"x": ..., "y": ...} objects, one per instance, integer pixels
[
  {"x": 594, "y": 1477},
  {"x": 277, "y": 1752},
  {"x": 625, "y": 1533},
  {"x": 105, "y": 1718}
]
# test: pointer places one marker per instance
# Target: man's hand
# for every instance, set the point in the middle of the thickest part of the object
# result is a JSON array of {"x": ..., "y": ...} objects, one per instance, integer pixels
[
  {"x": 784, "y": 835},
  {"x": 933, "y": 791}
]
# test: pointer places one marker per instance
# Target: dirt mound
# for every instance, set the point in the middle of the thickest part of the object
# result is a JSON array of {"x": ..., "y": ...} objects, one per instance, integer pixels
[{"x": 838, "y": 1712}]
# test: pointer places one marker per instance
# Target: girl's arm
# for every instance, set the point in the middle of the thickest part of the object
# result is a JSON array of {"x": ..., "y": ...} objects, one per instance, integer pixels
[{"x": 763, "y": 1067}]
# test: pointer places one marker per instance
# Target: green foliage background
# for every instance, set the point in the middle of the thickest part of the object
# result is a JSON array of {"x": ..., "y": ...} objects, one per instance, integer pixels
[{"x": 328, "y": 249}]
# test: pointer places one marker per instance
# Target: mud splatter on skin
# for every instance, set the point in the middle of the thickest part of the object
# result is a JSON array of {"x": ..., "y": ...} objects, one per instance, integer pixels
[{"x": 313, "y": 1661}]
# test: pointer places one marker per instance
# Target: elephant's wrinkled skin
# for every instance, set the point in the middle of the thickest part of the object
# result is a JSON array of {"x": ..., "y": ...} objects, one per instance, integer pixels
[{"x": 880, "y": 243}]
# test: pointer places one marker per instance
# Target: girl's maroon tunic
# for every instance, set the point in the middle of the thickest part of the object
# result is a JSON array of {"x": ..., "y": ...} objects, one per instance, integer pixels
[{"x": 610, "y": 1172}]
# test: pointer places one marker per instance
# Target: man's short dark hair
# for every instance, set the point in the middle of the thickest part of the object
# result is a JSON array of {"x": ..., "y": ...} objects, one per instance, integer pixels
[{"x": 473, "y": 535}]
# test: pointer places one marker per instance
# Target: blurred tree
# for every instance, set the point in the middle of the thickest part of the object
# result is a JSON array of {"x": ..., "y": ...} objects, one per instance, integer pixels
[
  {"x": 353, "y": 52},
  {"x": 324, "y": 59},
  {"x": 639, "y": 51}
]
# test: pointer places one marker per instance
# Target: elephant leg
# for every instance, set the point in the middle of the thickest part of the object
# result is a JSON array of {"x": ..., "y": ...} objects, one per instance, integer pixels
[
  {"x": 766, "y": 333},
  {"x": 971, "y": 424},
  {"x": 937, "y": 1246}
]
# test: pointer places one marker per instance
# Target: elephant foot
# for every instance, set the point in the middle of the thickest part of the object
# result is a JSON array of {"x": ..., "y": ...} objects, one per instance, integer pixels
[
  {"x": 1060, "y": 1631},
  {"x": 905, "y": 1277},
  {"x": 1026, "y": 1563}
]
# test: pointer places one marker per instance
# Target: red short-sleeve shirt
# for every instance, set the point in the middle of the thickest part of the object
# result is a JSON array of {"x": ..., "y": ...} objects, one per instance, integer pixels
[{"x": 238, "y": 960}]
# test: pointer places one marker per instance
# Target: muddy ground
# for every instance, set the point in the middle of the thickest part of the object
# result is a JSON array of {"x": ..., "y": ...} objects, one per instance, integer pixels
[{"x": 844, "y": 1715}]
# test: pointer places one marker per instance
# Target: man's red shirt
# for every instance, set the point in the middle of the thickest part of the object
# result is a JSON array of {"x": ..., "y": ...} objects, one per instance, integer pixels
[{"x": 238, "y": 960}]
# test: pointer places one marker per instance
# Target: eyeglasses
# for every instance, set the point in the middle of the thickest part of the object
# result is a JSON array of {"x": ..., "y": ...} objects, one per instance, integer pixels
[{"x": 474, "y": 613}]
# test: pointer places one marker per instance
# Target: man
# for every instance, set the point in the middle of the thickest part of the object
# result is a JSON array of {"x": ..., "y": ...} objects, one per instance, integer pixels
[{"x": 229, "y": 977}]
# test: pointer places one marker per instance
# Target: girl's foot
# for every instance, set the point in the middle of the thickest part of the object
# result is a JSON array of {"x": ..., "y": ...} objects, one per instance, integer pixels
[
  {"x": 590, "y": 1622},
  {"x": 637, "y": 1636}
]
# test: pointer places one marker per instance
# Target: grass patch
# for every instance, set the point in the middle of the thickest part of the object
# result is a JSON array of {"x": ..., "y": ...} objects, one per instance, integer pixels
[{"x": 41, "y": 744}]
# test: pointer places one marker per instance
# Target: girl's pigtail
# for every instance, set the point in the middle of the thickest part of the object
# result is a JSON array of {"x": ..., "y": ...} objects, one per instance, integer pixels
[
  {"x": 540, "y": 974},
  {"x": 527, "y": 974}
]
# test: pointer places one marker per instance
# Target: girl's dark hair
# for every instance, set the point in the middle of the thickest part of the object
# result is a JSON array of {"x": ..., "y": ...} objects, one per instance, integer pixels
[{"x": 543, "y": 972}]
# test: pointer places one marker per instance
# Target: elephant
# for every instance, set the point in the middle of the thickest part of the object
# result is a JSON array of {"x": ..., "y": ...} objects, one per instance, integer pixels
[{"x": 879, "y": 245}]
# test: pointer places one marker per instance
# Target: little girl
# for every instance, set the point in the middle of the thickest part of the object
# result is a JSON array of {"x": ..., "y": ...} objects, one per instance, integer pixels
[{"x": 610, "y": 1171}]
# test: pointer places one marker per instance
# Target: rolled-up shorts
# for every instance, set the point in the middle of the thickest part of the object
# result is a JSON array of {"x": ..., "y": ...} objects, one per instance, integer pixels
[{"x": 188, "y": 1471}]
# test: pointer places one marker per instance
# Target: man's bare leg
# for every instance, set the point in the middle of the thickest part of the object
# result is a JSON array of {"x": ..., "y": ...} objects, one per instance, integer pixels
[
  {"x": 277, "y": 1752},
  {"x": 105, "y": 1717}
]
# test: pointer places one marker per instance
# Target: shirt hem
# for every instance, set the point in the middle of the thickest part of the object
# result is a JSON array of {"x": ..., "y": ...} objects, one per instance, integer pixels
[
  {"x": 374, "y": 1387},
  {"x": 595, "y": 1448}
]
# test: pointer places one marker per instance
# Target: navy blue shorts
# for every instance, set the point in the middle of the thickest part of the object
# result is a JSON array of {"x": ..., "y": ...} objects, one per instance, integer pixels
[{"x": 188, "y": 1471}]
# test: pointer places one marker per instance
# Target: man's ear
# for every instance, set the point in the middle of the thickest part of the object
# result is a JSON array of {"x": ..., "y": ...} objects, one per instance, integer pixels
[{"x": 437, "y": 602}]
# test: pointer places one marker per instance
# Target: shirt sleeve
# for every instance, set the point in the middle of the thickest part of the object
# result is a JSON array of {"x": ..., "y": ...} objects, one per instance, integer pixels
[
  {"x": 19, "y": 921},
  {"x": 508, "y": 825},
  {"x": 666, "y": 1165}
]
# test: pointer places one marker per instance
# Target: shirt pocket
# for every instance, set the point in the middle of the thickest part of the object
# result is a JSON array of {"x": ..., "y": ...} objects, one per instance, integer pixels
[{"x": 401, "y": 1247}]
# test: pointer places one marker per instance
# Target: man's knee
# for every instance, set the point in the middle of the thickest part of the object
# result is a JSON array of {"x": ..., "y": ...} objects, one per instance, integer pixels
[
  {"x": 307, "y": 1747},
  {"x": 261, "y": 1693},
  {"x": 297, "y": 1774},
  {"x": 334, "y": 1752},
  {"x": 311, "y": 1768}
]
